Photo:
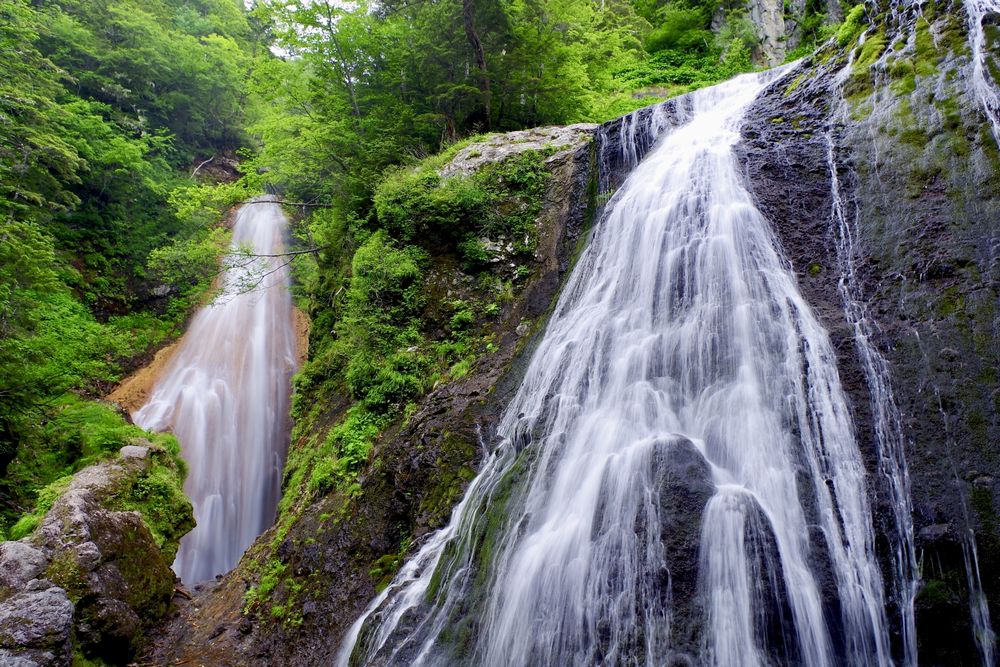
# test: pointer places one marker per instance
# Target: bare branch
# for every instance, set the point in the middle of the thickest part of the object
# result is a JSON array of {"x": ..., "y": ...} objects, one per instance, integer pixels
[
  {"x": 196, "y": 169},
  {"x": 286, "y": 203}
]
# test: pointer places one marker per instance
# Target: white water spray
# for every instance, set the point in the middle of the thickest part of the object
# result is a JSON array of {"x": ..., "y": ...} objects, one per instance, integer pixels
[{"x": 225, "y": 395}]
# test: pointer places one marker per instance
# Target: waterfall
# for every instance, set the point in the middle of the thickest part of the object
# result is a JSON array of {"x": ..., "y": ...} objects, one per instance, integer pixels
[
  {"x": 677, "y": 477},
  {"x": 225, "y": 395}
]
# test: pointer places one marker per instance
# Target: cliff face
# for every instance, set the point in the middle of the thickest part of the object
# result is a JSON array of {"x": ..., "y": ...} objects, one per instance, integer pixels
[{"x": 890, "y": 129}]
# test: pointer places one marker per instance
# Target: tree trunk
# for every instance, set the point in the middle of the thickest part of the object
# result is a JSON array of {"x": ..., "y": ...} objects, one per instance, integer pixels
[{"x": 468, "y": 19}]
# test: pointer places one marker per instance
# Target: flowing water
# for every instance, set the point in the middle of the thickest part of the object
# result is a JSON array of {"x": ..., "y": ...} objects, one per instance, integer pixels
[
  {"x": 979, "y": 13},
  {"x": 225, "y": 395},
  {"x": 682, "y": 378},
  {"x": 886, "y": 417}
]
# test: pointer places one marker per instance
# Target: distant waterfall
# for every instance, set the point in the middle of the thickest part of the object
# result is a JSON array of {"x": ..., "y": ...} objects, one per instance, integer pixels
[
  {"x": 677, "y": 479},
  {"x": 225, "y": 395}
]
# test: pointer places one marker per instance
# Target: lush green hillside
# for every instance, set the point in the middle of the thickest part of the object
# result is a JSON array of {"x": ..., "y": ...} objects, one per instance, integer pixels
[{"x": 105, "y": 106}]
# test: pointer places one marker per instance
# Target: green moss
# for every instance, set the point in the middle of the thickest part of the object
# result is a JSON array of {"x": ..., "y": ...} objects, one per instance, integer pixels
[
  {"x": 936, "y": 592},
  {"x": 796, "y": 82},
  {"x": 273, "y": 574},
  {"x": 815, "y": 269},
  {"x": 446, "y": 488},
  {"x": 927, "y": 54},
  {"x": 986, "y": 511},
  {"x": 158, "y": 495},
  {"x": 385, "y": 568},
  {"x": 80, "y": 660},
  {"x": 852, "y": 25},
  {"x": 873, "y": 47},
  {"x": 344, "y": 449},
  {"x": 950, "y": 302},
  {"x": 64, "y": 571}
]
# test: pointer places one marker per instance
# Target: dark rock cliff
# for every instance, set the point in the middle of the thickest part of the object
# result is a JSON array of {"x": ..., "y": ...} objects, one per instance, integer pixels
[{"x": 918, "y": 173}]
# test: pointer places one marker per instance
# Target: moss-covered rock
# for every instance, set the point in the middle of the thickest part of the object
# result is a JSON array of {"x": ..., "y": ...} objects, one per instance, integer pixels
[
  {"x": 920, "y": 180},
  {"x": 101, "y": 548}
]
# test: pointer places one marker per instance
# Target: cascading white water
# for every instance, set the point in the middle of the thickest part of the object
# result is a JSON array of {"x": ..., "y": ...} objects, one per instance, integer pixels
[
  {"x": 681, "y": 336},
  {"x": 225, "y": 395},
  {"x": 982, "y": 81},
  {"x": 986, "y": 639}
]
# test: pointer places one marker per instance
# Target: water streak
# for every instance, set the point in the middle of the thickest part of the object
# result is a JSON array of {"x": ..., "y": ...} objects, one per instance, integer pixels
[
  {"x": 225, "y": 395},
  {"x": 986, "y": 639},
  {"x": 979, "y": 12},
  {"x": 889, "y": 434},
  {"x": 680, "y": 355}
]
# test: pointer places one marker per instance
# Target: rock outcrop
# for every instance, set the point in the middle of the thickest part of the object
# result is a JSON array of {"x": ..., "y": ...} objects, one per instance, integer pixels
[{"x": 93, "y": 577}]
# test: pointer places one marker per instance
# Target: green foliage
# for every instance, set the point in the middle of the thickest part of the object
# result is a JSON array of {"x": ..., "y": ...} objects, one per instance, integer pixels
[
  {"x": 498, "y": 202},
  {"x": 418, "y": 203},
  {"x": 103, "y": 103},
  {"x": 81, "y": 433},
  {"x": 158, "y": 495},
  {"x": 70, "y": 435},
  {"x": 682, "y": 72},
  {"x": 191, "y": 262},
  {"x": 273, "y": 574},
  {"x": 46, "y": 497},
  {"x": 346, "y": 447},
  {"x": 681, "y": 29},
  {"x": 852, "y": 26},
  {"x": 371, "y": 85}
]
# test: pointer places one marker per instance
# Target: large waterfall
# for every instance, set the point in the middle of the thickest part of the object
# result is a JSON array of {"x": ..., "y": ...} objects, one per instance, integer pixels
[
  {"x": 225, "y": 396},
  {"x": 677, "y": 478}
]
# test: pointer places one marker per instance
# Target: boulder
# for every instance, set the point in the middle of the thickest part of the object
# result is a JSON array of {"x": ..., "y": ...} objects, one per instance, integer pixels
[{"x": 35, "y": 628}]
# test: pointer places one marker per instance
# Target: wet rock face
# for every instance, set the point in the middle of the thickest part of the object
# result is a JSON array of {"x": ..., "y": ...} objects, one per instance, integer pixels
[
  {"x": 920, "y": 176},
  {"x": 89, "y": 572},
  {"x": 684, "y": 481}
]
